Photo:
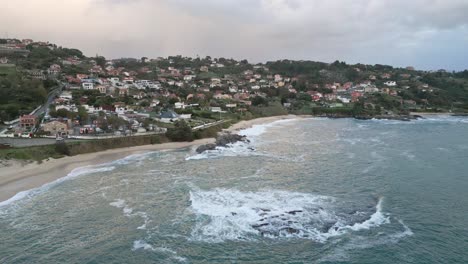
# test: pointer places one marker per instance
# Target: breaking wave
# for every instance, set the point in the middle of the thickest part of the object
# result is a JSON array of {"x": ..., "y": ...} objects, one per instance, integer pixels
[
  {"x": 224, "y": 214},
  {"x": 142, "y": 245},
  {"x": 73, "y": 174},
  {"x": 448, "y": 119},
  {"x": 241, "y": 149},
  {"x": 105, "y": 167}
]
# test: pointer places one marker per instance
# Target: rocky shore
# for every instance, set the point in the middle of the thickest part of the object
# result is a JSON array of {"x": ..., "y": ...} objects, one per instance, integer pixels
[{"x": 222, "y": 140}]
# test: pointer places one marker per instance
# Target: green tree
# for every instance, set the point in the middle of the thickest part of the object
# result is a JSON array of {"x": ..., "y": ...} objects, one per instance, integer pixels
[{"x": 181, "y": 132}]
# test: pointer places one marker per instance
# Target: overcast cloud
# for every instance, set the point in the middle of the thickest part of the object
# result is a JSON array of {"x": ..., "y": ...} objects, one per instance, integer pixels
[{"x": 428, "y": 34}]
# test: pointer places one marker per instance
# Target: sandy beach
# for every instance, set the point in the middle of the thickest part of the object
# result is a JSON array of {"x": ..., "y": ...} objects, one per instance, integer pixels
[{"x": 20, "y": 176}]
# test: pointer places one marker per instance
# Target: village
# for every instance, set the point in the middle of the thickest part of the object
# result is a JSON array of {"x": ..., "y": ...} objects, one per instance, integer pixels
[{"x": 100, "y": 98}]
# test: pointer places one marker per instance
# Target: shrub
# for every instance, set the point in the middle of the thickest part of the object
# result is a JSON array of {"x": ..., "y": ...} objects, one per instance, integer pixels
[
  {"x": 181, "y": 132},
  {"x": 62, "y": 148}
]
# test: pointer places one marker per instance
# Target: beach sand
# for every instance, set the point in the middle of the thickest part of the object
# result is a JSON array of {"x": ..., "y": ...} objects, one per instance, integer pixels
[{"x": 17, "y": 176}]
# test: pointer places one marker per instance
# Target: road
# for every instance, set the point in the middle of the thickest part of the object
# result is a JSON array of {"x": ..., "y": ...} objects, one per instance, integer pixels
[
  {"x": 50, "y": 99},
  {"x": 30, "y": 142}
]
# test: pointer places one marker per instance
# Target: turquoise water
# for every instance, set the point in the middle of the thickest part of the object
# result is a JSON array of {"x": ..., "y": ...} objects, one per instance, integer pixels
[{"x": 303, "y": 191}]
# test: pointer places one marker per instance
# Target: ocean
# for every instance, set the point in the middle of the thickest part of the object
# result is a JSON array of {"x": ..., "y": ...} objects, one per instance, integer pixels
[{"x": 306, "y": 190}]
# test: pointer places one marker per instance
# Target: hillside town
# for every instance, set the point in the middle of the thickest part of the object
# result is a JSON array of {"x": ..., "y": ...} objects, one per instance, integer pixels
[{"x": 94, "y": 96}]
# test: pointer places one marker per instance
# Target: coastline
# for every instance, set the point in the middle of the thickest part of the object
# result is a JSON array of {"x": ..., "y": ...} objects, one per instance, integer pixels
[{"x": 18, "y": 176}]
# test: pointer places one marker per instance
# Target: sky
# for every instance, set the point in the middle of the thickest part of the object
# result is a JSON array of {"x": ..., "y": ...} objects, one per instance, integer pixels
[{"x": 426, "y": 34}]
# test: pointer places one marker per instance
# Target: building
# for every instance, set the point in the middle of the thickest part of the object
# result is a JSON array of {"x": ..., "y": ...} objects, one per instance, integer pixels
[
  {"x": 54, "y": 69},
  {"x": 28, "y": 121},
  {"x": 168, "y": 116},
  {"x": 55, "y": 128},
  {"x": 87, "y": 86},
  {"x": 390, "y": 83}
]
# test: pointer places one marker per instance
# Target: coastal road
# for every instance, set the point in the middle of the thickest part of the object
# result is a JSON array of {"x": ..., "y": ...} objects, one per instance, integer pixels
[
  {"x": 50, "y": 99},
  {"x": 30, "y": 142}
]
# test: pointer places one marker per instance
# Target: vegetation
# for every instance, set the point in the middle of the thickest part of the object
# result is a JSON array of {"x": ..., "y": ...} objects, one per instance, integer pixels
[{"x": 181, "y": 132}]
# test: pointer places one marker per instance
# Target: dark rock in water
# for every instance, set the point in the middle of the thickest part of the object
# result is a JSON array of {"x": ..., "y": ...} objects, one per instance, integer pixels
[
  {"x": 232, "y": 213},
  {"x": 290, "y": 230},
  {"x": 223, "y": 140},
  {"x": 327, "y": 225},
  {"x": 260, "y": 225},
  {"x": 205, "y": 147},
  {"x": 228, "y": 138},
  {"x": 294, "y": 212}
]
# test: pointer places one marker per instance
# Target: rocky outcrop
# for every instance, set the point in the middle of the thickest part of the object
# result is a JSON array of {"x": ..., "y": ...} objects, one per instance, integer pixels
[
  {"x": 223, "y": 140},
  {"x": 389, "y": 117},
  {"x": 228, "y": 138},
  {"x": 205, "y": 147}
]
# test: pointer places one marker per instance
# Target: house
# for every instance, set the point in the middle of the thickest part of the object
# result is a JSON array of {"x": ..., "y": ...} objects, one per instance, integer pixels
[
  {"x": 3, "y": 60},
  {"x": 66, "y": 95},
  {"x": 179, "y": 105},
  {"x": 54, "y": 69},
  {"x": 355, "y": 96},
  {"x": 168, "y": 116},
  {"x": 371, "y": 89},
  {"x": 345, "y": 100},
  {"x": 386, "y": 76},
  {"x": 123, "y": 91},
  {"x": 87, "y": 86},
  {"x": 55, "y": 128},
  {"x": 216, "y": 109},
  {"x": 102, "y": 89},
  {"x": 221, "y": 96},
  {"x": 37, "y": 74},
  {"x": 28, "y": 121},
  {"x": 96, "y": 69},
  {"x": 189, "y": 77},
  {"x": 82, "y": 76},
  {"x": 278, "y": 78},
  {"x": 27, "y": 41},
  {"x": 204, "y": 68},
  {"x": 390, "y": 83},
  {"x": 70, "y": 108}
]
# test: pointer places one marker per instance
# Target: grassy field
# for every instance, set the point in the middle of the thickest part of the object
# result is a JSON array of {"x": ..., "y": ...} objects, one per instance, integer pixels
[
  {"x": 38, "y": 153},
  {"x": 6, "y": 69}
]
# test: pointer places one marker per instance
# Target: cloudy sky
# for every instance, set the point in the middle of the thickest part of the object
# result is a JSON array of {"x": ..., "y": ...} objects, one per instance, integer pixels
[{"x": 427, "y": 34}]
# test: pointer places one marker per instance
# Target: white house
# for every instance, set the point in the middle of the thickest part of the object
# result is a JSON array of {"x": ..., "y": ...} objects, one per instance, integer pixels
[
  {"x": 66, "y": 95},
  {"x": 390, "y": 83},
  {"x": 179, "y": 105},
  {"x": 87, "y": 86},
  {"x": 344, "y": 99},
  {"x": 189, "y": 77}
]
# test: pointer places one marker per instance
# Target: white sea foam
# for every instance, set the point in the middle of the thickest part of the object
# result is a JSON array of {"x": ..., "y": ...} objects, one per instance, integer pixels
[
  {"x": 224, "y": 214},
  {"x": 257, "y": 130},
  {"x": 76, "y": 173},
  {"x": 241, "y": 149},
  {"x": 129, "y": 212},
  {"x": 376, "y": 219},
  {"x": 238, "y": 149},
  {"x": 340, "y": 252},
  {"x": 427, "y": 119},
  {"x": 140, "y": 244},
  {"x": 143, "y": 245},
  {"x": 73, "y": 174}
]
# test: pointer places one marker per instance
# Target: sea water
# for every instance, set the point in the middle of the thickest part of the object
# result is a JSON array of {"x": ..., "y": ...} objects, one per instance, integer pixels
[{"x": 307, "y": 190}]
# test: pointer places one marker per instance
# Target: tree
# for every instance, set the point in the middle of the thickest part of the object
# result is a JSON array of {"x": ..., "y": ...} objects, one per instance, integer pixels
[
  {"x": 258, "y": 100},
  {"x": 181, "y": 132},
  {"x": 82, "y": 115}
]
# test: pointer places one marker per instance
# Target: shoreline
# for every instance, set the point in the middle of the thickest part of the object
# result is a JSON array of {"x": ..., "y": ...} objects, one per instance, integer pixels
[{"x": 19, "y": 177}]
